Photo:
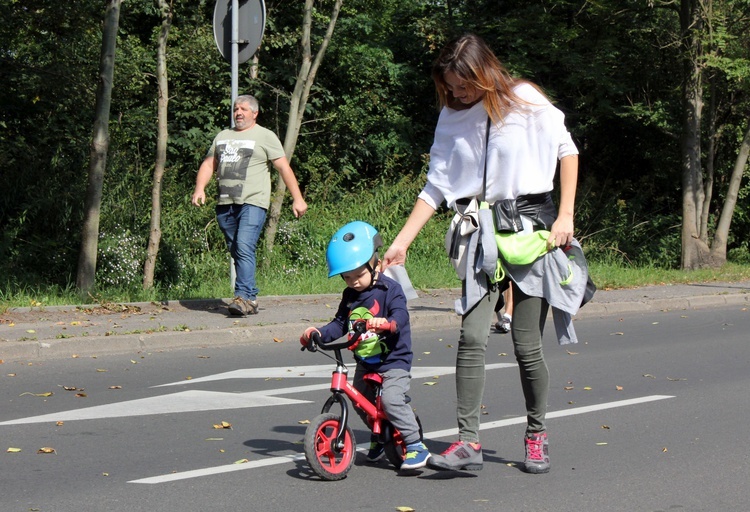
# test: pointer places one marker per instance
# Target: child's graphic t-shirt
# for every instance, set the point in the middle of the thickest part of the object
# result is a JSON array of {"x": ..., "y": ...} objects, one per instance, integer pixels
[{"x": 382, "y": 351}]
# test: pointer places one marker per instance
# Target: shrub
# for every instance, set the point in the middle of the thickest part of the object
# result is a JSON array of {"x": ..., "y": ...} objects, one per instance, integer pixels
[{"x": 120, "y": 258}]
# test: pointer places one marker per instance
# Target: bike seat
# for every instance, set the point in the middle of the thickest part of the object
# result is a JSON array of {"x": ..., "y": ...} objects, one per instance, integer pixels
[{"x": 373, "y": 378}]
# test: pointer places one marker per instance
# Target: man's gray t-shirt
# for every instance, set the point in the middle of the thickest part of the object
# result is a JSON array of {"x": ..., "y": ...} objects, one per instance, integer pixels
[{"x": 244, "y": 159}]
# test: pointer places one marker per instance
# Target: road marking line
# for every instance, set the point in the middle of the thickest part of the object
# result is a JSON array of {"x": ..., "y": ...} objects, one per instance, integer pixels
[
  {"x": 198, "y": 400},
  {"x": 550, "y": 415},
  {"x": 431, "y": 435},
  {"x": 185, "y": 401},
  {"x": 312, "y": 372}
]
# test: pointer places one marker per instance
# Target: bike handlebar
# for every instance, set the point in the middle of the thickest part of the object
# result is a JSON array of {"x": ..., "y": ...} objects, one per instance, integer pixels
[{"x": 360, "y": 327}]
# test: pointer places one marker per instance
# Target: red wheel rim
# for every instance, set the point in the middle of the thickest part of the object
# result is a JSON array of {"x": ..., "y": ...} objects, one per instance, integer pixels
[{"x": 334, "y": 461}]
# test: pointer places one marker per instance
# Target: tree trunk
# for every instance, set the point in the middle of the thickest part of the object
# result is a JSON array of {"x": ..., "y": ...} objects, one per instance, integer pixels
[
  {"x": 694, "y": 250},
  {"x": 719, "y": 245},
  {"x": 154, "y": 237},
  {"x": 305, "y": 79},
  {"x": 86, "y": 272},
  {"x": 713, "y": 141}
]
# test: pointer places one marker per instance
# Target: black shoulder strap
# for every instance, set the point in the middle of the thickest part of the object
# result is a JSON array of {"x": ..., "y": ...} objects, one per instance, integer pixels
[{"x": 486, "y": 153}]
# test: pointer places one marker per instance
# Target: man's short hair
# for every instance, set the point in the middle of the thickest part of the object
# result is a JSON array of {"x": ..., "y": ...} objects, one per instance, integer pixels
[{"x": 250, "y": 100}]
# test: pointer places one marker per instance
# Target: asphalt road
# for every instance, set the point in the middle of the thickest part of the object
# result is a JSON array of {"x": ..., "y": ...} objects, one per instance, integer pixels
[{"x": 646, "y": 414}]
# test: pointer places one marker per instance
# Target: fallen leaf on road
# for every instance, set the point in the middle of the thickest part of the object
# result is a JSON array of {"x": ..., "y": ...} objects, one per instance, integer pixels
[
  {"x": 81, "y": 395},
  {"x": 46, "y": 449},
  {"x": 601, "y": 444},
  {"x": 304, "y": 422},
  {"x": 571, "y": 353},
  {"x": 224, "y": 424},
  {"x": 587, "y": 388},
  {"x": 278, "y": 340},
  {"x": 649, "y": 375},
  {"x": 101, "y": 370},
  {"x": 30, "y": 331},
  {"x": 605, "y": 427},
  {"x": 674, "y": 378},
  {"x": 618, "y": 388},
  {"x": 13, "y": 450},
  {"x": 664, "y": 450},
  {"x": 430, "y": 383},
  {"x": 60, "y": 423},
  {"x": 617, "y": 334},
  {"x": 48, "y": 393},
  {"x": 405, "y": 509},
  {"x": 568, "y": 388},
  {"x": 115, "y": 387},
  {"x": 214, "y": 439},
  {"x": 241, "y": 461}
]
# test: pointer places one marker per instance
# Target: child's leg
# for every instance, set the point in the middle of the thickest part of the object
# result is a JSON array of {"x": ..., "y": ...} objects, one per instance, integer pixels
[
  {"x": 360, "y": 385},
  {"x": 400, "y": 414}
]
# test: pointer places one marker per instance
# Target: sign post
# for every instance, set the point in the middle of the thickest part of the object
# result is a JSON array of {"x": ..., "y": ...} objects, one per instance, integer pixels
[{"x": 238, "y": 32}]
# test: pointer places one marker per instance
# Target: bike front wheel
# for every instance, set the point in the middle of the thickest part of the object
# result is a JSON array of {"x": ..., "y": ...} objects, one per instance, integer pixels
[{"x": 328, "y": 461}]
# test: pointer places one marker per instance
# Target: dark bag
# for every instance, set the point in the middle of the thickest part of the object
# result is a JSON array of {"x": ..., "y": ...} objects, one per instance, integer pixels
[
  {"x": 507, "y": 218},
  {"x": 590, "y": 291}
]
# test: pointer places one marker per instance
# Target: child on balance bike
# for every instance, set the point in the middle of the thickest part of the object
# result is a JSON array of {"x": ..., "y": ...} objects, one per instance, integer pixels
[{"x": 379, "y": 300}]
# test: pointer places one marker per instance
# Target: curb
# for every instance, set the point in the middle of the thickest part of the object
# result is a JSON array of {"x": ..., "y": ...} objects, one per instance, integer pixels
[
  {"x": 289, "y": 332},
  {"x": 677, "y": 303},
  {"x": 166, "y": 341}
]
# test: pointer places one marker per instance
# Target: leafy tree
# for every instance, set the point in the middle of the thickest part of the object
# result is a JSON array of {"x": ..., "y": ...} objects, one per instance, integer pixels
[
  {"x": 90, "y": 232},
  {"x": 305, "y": 78},
  {"x": 161, "y": 145},
  {"x": 705, "y": 34}
]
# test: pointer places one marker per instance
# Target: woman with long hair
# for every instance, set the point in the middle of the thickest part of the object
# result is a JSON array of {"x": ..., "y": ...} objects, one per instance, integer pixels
[{"x": 497, "y": 138}]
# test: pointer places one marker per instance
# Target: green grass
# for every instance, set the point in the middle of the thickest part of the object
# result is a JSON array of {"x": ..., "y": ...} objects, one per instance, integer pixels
[
  {"x": 281, "y": 279},
  {"x": 609, "y": 276}
]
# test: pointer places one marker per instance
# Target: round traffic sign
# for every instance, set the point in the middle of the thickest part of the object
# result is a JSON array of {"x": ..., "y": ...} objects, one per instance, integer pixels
[{"x": 252, "y": 24}]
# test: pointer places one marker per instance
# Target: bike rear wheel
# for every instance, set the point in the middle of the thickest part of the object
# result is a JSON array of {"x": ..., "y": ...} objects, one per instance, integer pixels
[
  {"x": 395, "y": 447},
  {"x": 328, "y": 461}
]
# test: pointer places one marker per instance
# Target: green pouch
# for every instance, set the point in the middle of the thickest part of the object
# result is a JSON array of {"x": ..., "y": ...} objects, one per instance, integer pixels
[{"x": 518, "y": 249}]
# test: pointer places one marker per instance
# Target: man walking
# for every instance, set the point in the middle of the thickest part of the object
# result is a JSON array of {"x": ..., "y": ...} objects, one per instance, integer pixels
[{"x": 240, "y": 157}]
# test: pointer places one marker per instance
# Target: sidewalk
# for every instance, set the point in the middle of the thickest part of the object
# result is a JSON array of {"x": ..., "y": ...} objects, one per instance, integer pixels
[{"x": 67, "y": 331}]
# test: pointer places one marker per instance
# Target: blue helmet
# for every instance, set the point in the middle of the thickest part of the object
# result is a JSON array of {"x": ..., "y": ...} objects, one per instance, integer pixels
[{"x": 351, "y": 247}]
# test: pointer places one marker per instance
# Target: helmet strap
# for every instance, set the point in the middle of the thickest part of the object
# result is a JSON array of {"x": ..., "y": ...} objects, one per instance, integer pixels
[{"x": 373, "y": 269}]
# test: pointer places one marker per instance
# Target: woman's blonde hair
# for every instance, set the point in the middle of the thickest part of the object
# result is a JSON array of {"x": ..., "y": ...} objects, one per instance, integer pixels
[{"x": 471, "y": 60}]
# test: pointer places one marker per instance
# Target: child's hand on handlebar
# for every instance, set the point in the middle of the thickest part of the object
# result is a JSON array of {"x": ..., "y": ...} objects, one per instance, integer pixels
[
  {"x": 309, "y": 338},
  {"x": 381, "y": 324}
]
